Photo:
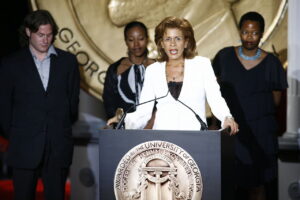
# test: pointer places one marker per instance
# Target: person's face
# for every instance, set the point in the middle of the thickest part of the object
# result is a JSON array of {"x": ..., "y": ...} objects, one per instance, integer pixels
[
  {"x": 41, "y": 40},
  {"x": 136, "y": 41},
  {"x": 174, "y": 43},
  {"x": 250, "y": 34}
]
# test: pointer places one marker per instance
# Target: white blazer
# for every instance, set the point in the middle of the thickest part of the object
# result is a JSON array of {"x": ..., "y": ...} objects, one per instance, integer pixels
[{"x": 199, "y": 82}]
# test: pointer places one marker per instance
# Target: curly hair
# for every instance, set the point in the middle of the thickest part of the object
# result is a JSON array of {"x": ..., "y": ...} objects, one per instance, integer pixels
[
  {"x": 33, "y": 21},
  {"x": 253, "y": 16},
  {"x": 187, "y": 31}
]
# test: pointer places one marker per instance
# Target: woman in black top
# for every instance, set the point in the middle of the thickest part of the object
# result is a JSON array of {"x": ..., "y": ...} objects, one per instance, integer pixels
[
  {"x": 124, "y": 78},
  {"x": 251, "y": 80}
]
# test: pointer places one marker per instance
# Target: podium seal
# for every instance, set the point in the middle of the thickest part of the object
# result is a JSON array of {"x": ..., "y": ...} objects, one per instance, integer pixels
[{"x": 157, "y": 170}]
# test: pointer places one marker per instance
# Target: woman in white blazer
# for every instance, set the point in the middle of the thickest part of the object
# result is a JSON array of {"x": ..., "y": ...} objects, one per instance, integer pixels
[{"x": 183, "y": 80}]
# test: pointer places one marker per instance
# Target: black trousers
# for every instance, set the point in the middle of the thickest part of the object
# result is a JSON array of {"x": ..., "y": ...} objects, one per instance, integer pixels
[{"x": 53, "y": 177}]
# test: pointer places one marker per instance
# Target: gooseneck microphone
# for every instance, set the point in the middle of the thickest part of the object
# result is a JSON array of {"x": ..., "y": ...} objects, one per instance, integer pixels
[
  {"x": 202, "y": 123},
  {"x": 120, "y": 123}
]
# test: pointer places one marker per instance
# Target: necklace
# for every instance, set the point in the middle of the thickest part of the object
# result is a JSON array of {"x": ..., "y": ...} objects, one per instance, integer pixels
[
  {"x": 175, "y": 74},
  {"x": 256, "y": 56},
  {"x": 174, "y": 78},
  {"x": 142, "y": 63}
]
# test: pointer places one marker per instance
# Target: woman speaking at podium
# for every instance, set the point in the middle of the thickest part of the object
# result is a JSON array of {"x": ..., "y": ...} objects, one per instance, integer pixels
[{"x": 179, "y": 82}]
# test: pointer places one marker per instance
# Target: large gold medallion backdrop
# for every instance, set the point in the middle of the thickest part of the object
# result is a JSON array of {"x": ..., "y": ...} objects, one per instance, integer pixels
[{"x": 93, "y": 29}]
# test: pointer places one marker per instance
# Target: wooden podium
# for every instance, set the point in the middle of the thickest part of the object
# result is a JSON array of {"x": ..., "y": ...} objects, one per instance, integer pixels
[{"x": 212, "y": 151}]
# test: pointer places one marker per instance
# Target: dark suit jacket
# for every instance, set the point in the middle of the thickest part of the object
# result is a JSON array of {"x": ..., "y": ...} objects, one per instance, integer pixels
[{"x": 28, "y": 113}]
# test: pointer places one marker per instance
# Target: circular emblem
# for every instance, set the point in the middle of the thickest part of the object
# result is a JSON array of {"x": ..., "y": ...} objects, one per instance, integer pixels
[
  {"x": 157, "y": 170},
  {"x": 86, "y": 177},
  {"x": 93, "y": 29},
  {"x": 294, "y": 190}
]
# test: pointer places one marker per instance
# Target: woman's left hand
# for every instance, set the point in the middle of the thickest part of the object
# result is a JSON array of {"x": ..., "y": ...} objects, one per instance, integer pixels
[{"x": 229, "y": 122}]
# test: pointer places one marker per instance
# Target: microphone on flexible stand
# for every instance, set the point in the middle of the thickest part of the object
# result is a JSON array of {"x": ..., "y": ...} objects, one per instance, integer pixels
[
  {"x": 121, "y": 122},
  {"x": 202, "y": 123}
]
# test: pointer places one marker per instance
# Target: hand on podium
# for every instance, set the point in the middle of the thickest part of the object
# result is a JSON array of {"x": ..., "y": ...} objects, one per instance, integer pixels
[
  {"x": 230, "y": 126},
  {"x": 115, "y": 119}
]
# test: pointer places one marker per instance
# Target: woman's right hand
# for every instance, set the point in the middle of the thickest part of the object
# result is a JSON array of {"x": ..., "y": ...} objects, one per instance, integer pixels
[
  {"x": 116, "y": 118},
  {"x": 111, "y": 121}
]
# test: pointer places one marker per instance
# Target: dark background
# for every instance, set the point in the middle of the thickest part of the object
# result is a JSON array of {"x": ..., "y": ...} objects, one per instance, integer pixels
[{"x": 12, "y": 13}]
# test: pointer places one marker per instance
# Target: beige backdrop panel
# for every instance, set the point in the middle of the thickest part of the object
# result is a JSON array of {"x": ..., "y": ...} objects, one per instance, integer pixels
[{"x": 93, "y": 29}]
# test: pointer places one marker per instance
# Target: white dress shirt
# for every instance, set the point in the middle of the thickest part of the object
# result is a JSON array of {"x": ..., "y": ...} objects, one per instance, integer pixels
[{"x": 43, "y": 66}]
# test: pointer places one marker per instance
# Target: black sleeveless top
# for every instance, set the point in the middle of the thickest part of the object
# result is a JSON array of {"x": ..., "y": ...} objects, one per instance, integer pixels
[{"x": 175, "y": 88}]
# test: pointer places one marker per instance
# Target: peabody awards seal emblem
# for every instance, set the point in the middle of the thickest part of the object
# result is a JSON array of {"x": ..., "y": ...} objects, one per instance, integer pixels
[{"x": 157, "y": 170}]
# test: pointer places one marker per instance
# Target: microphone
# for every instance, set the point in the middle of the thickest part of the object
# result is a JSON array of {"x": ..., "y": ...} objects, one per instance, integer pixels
[
  {"x": 202, "y": 123},
  {"x": 120, "y": 123}
]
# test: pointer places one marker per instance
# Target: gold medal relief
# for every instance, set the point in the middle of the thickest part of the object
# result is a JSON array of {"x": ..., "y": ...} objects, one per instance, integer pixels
[
  {"x": 93, "y": 29},
  {"x": 157, "y": 170}
]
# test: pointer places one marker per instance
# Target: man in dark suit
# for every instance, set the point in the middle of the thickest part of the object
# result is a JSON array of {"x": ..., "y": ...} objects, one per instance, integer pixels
[{"x": 39, "y": 96}]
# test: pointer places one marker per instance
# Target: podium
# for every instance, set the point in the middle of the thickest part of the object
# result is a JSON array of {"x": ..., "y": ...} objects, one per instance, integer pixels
[{"x": 212, "y": 151}]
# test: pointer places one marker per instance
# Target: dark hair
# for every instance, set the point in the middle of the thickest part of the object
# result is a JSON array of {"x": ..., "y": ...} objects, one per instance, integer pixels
[
  {"x": 187, "y": 31},
  {"x": 253, "y": 16},
  {"x": 135, "y": 24},
  {"x": 33, "y": 21}
]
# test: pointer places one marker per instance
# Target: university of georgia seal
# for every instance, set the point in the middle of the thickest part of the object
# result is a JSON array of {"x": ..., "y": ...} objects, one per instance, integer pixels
[{"x": 157, "y": 170}]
